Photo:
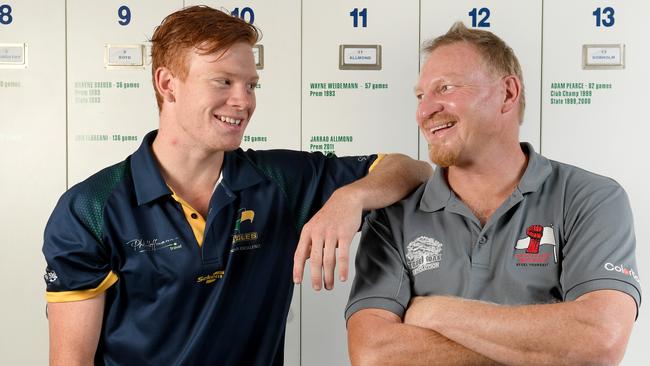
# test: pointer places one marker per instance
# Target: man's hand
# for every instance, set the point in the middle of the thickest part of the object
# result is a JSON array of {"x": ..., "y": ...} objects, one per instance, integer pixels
[
  {"x": 334, "y": 226},
  {"x": 340, "y": 218}
]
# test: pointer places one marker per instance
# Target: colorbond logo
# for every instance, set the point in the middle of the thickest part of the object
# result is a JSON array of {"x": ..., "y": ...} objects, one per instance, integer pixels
[{"x": 621, "y": 269}]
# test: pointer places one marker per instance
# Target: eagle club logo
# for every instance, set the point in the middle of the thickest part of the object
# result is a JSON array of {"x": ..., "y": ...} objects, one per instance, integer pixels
[
  {"x": 244, "y": 240},
  {"x": 536, "y": 237},
  {"x": 423, "y": 254}
]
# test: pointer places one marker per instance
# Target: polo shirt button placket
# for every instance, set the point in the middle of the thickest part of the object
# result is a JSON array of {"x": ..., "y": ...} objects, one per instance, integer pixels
[{"x": 480, "y": 252}]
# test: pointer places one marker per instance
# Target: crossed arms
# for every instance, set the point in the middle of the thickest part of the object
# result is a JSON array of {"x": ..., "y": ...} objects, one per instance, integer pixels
[{"x": 592, "y": 330}]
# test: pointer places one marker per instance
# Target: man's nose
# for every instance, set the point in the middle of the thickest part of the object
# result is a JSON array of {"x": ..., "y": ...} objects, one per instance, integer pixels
[
  {"x": 428, "y": 106},
  {"x": 241, "y": 97}
]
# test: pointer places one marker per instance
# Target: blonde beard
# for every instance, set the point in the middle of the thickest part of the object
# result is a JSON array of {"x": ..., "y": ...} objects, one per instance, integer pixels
[{"x": 442, "y": 157}]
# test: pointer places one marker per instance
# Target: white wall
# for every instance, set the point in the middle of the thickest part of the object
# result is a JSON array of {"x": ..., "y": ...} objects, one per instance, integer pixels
[
  {"x": 32, "y": 170},
  {"x": 52, "y": 110},
  {"x": 609, "y": 134}
]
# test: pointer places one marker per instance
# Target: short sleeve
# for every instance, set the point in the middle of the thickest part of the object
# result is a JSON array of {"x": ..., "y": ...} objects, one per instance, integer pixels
[
  {"x": 599, "y": 250},
  {"x": 309, "y": 179},
  {"x": 381, "y": 281},
  {"x": 78, "y": 266}
]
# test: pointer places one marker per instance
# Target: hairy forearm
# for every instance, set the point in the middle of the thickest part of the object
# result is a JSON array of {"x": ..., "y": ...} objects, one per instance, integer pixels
[
  {"x": 572, "y": 333},
  {"x": 376, "y": 341},
  {"x": 392, "y": 179}
]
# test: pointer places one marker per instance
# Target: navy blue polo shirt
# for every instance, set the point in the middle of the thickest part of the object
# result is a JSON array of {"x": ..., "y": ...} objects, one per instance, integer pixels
[{"x": 169, "y": 299}]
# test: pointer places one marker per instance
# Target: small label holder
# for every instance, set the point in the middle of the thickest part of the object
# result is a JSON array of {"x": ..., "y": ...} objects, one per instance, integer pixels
[
  {"x": 121, "y": 56},
  {"x": 360, "y": 57},
  {"x": 603, "y": 56},
  {"x": 258, "y": 53},
  {"x": 13, "y": 55}
]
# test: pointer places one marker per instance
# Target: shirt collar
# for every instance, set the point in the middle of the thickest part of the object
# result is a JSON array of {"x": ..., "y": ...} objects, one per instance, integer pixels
[
  {"x": 237, "y": 172},
  {"x": 149, "y": 183},
  {"x": 437, "y": 193},
  {"x": 538, "y": 169}
]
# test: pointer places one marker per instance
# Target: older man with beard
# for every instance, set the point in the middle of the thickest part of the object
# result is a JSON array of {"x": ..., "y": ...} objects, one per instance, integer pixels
[{"x": 504, "y": 256}]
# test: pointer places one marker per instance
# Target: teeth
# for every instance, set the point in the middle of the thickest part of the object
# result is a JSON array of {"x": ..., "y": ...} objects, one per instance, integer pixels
[
  {"x": 230, "y": 120},
  {"x": 443, "y": 126}
]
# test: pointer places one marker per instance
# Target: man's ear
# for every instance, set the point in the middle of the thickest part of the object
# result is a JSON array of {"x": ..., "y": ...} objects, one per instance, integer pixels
[
  {"x": 165, "y": 83},
  {"x": 512, "y": 87}
]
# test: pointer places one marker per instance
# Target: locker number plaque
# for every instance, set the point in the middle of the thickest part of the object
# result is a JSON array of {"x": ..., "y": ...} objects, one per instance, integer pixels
[
  {"x": 120, "y": 56},
  {"x": 603, "y": 56},
  {"x": 360, "y": 57},
  {"x": 258, "y": 53},
  {"x": 12, "y": 55}
]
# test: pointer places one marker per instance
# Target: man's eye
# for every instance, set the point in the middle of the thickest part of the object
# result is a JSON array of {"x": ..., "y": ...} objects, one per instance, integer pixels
[
  {"x": 446, "y": 88},
  {"x": 419, "y": 96},
  {"x": 223, "y": 81},
  {"x": 252, "y": 86}
]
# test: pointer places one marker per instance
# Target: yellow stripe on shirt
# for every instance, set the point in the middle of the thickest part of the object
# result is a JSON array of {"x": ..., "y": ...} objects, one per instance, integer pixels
[
  {"x": 67, "y": 296},
  {"x": 380, "y": 157}
]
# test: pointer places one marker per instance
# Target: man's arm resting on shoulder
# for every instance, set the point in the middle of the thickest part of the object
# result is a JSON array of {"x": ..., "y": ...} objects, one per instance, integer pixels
[
  {"x": 395, "y": 176},
  {"x": 74, "y": 330},
  {"x": 335, "y": 224},
  {"x": 378, "y": 337},
  {"x": 591, "y": 330}
]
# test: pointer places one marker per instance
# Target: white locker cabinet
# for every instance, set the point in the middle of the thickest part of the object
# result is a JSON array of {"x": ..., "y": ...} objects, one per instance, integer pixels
[
  {"x": 597, "y": 119},
  {"x": 276, "y": 120},
  {"x": 111, "y": 102},
  {"x": 32, "y": 165},
  {"x": 359, "y": 109},
  {"x": 518, "y": 23}
]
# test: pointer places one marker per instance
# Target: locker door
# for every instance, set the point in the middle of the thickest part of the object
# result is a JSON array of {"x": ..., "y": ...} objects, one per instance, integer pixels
[
  {"x": 519, "y": 23},
  {"x": 32, "y": 165},
  {"x": 111, "y": 102},
  {"x": 596, "y": 117},
  {"x": 360, "y": 63}
]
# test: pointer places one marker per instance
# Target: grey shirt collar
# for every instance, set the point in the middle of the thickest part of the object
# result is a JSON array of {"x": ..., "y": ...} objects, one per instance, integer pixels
[{"x": 438, "y": 195}]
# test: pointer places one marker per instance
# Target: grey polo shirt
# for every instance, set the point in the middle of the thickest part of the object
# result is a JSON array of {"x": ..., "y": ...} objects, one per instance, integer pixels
[{"x": 562, "y": 233}]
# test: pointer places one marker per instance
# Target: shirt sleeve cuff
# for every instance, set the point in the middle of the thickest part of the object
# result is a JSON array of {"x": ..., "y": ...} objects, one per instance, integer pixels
[
  {"x": 374, "y": 164},
  {"x": 604, "y": 284},
  {"x": 375, "y": 303},
  {"x": 67, "y": 296}
]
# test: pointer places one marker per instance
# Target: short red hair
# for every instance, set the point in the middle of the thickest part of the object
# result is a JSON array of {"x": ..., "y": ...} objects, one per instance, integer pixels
[{"x": 206, "y": 29}]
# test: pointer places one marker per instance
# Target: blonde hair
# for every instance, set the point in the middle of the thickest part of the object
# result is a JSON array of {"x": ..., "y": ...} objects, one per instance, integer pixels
[{"x": 497, "y": 55}]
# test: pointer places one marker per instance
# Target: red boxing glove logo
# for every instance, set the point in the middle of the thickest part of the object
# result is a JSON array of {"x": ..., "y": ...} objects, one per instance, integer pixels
[{"x": 535, "y": 233}]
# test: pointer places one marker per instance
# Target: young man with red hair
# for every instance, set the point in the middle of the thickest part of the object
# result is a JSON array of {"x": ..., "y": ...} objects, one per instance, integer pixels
[{"x": 181, "y": 254}]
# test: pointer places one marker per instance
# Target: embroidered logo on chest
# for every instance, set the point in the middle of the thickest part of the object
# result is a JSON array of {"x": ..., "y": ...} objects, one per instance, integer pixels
[
  {"x": 423, "y": 254},
  {"x": 242, "y": 239},
  {"x": 527, "y": 250}
]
